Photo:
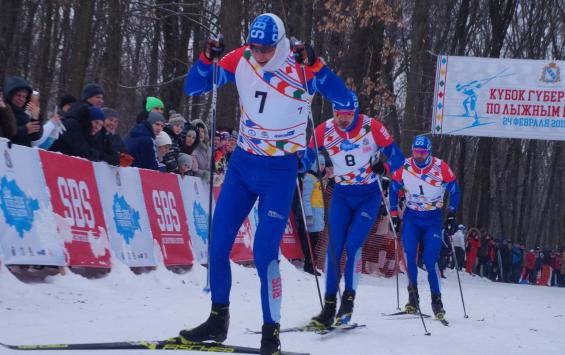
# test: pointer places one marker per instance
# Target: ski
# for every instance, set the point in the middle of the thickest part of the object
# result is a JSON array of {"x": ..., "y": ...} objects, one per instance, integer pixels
[
  {"x": 442, "y": 320},
  {"x": 170, "y": 344},
  {"x": 405, "y": 313},
  {"x": 315, "y": 329}
]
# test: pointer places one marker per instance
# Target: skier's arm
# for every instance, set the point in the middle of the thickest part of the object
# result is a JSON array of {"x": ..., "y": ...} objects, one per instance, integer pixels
[
  {"x": 309, "y": 156},
  {"x": 388, "y": 145},
  {"x": 451, "y": 186},
  {"x": 320, "y": 78},
  {"x": 396, "y": 185},
  {"x": 200, "y": 76}
]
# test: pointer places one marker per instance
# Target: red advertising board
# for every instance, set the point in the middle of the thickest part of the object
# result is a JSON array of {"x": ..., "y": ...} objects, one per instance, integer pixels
[
  {"x": 165, "y": 209},
  {"x": 290, "y": 244},
  {"x": 75, "y": 198}
]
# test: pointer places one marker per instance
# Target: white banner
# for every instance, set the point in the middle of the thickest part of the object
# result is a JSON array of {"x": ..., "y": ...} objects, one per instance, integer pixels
[
  {"x": 28, "y": 227},
  {"x": 491, "y": 97},
  {"x": 196, "y": 196},
  {"x": 124, "y": 209}
]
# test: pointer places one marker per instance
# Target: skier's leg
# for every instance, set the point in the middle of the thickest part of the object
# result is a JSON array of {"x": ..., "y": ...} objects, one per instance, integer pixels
[
  {"x": 410, "y": 240},
  {"x": 432, "y": 248}
]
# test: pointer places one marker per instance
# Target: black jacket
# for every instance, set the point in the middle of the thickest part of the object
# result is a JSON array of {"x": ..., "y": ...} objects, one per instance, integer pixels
[
  {"x": 140, "y": 143},
  {"x": 14, "y": 84}
]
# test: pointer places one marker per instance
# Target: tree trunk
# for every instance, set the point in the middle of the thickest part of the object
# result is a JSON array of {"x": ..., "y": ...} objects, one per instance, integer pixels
[
  {"x": 81, "y": 44},
  {"x": 11, "y": 11},
  {"x": 110, "y": 69}
]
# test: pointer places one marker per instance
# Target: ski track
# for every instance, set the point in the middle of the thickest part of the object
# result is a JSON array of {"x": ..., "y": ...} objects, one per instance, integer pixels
[{"x": 503, "y": 318}]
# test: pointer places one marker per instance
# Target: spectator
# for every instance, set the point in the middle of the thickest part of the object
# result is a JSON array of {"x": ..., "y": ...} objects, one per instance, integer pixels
[
  {"x": 562, "y": 267},
  {"x": 556, "y": 263},
  {"x": 545, "y": 268},
  {"x": 111, "y": 123},
  {"x": 231, "y": 144},
  {"x": 484, "y": 255},
  {"x": 8, "y": 126},
  {"x": 459, "y": 246},
  {"x": 163, "y": 143},
  {"x": 313, "y": 203},
  {"x": 190, "y": 141},
  {"x": 473, "y": 245},
  {"x": 174, "y": 129},
  {"x": 140, "y": 142},
  {"x": 93, "y": 95},
  {"x": 202, "y": 150},
  {"x": 65, "y": 103},
  {"x": 528, "y": 275},
  {"x": 517, "y": 261},
  {"x": 187, "y": 165},
  {"x": 80, "y": 137},
  {"x": 17, "y": 95},
  {"x": 150, "y": 104}
]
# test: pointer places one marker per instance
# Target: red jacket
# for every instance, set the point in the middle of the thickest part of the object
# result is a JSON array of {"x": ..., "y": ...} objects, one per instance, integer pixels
[
  {"x": 530, "y": 260},
  {"x": 556, "y": 261}
]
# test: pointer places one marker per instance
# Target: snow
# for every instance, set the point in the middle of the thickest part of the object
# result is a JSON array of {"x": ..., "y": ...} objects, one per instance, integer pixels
[{"x": 503, "y": 318}]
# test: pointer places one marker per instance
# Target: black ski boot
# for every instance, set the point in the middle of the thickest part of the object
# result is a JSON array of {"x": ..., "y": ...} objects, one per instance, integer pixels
[
  {"x": 326, "y": 318},
  {"x": 215, "y": 328},
  {"x": 345, "y": 308},
  {"x": 413, "y": 300},
  {"x": 270, "y": 341},
  {"x": 437, "y": 306}
]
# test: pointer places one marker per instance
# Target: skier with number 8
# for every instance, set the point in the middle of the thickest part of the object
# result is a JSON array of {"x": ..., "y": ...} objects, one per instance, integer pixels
[
  {"x": 352, "y": 141},
  {"x": 424, "y": 179},
  {"x": 274, "y": 111}
]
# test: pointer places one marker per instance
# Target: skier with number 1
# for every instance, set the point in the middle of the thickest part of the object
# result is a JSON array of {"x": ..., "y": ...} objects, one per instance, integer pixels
[
  {"x": 274, "y": 111},
  {"x": 352, "y": 141},
  {"x": 424, "y": 179}
]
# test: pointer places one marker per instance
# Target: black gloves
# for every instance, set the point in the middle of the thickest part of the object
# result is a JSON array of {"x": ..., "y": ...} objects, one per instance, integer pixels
[
  {"x": 396, "y": 223},
  {"x": 214, "y": 47},
  {"x": 451, "y": 223},
  {"x": 303, "y": 52}
]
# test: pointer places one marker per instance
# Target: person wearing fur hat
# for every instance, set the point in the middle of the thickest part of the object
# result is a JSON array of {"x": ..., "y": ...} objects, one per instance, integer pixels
[
  {"x": 274, "y": 112},
  {"x": 17, "y": 96},
  {"x": 174, "y": 128},
  {"x": 163, "y": 142},
  {"x": 140, "y": 142}
]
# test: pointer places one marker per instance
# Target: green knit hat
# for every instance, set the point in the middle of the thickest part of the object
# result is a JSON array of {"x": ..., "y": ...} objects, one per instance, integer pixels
[{"x": 153, "y": 102}]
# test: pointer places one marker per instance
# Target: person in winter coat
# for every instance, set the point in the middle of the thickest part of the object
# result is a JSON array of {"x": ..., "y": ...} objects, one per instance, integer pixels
[
  {"x": 8, "y": 126},
  {"x": 562, "y": 267},
  {"x": 202, "y": 151},
  {"x": 140, "y": 142},
  {"x": 163, "y": 143},
  {"x": 545, "y": 268},
  {"x": 17, "y": 95},
  {"x": 174, "y": 128},
  {"x": 528, "y": 274},
  {"x": 111, "y": 123},
  {"x": 150, "y": 104},
  {"x": 517, "y": 261},
  {"x": 313, "y": 209},
  {"x": 458, "y": 240},
  {"x": 556, "y": 262},
  {"x": 473, "y": 245}
]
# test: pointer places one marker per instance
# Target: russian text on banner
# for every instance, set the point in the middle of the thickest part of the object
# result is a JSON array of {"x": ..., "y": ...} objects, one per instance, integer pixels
[
  {"x": 28, "y": 228},
  {"x": 76, "y": 202},
  {"x": 492, "y": 97},
  {"x": 165, "y": 209},
  {"x": 126, "y": 216}
]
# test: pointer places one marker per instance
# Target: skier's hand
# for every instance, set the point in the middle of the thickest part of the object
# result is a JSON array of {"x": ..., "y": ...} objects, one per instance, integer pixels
[
  {"x": 303, "y": 52},
  {"x": 378, "y": 167},
  {"x": 451, "y": 223},
  {"x": 396, "y": 223},
  {"x": 214, "y": 47}
]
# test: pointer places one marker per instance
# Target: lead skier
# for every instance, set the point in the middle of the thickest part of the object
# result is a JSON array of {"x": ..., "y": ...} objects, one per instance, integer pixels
[
  {"x": 424, "y": 179},
  {"x": 274, "y": 111},
  {"x": 352, "y": 141}
]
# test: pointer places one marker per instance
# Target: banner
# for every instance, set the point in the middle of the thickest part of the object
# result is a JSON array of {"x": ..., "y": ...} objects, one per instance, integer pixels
[
  {"x": 28, "y": 233},
  {"x": 75, "y": 199},
  {"x": 165, "y": 208},
  {"x": 126, "y": 217},
  {"x": 491, "y": 97},
  {"x": 195, "y": 196},
  {"x": 290, "y": 243}
]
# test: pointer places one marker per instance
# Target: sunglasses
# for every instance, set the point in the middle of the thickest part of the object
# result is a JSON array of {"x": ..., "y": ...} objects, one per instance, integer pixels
[{"x": 261, "y": 49}]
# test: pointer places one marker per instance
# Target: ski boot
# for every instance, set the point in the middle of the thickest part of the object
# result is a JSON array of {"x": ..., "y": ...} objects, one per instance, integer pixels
[
  {"x": 345, "y": 308},
  {"x": 437, "y": 306},
  {"x": 270, "y": 341},
  {"x": 326, "y": 318},
  {"x": 215, "y": 328},
  {"x": 413, "y": 300}
]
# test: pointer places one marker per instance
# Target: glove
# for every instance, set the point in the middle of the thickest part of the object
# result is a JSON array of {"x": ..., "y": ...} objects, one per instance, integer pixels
[
  {"x": 378, "y": 167},
  {"x": 125, "y": 160},
  {"x": 214, "y": 47},
  {"x": 303, "y": 52},
  {"x": 396, "y": 223},
  {"x": 450, "y": 223}
]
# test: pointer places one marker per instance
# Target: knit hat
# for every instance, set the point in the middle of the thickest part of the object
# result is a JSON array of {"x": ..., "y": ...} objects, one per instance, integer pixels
[
  {"x": 91, "y": 90},
  {"x": 184, "y": 158},
  {"x": 155, "y": 117},
  {"x": 96, "y": 114},
  {"x": 163, "y": 139},
  {"x": 152, "y": 102},
  {"x": 176, "y": 119},
  {"x": 66, "y": 100},
  {"x": 110, "y": 112}
]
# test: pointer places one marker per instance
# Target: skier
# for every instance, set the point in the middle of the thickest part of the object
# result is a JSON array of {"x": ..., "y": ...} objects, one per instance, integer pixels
[
  {"x": 351, "y": 140},
  {"x": 424, "y": 178},
  {"x": 274, "y": 110}
]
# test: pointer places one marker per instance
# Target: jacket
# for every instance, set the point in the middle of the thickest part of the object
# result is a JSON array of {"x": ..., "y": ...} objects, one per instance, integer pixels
[
  {"x": 140, "y": 143},
  {"x": 14, "y": 84},
  {"x": 313, "y": 202}
]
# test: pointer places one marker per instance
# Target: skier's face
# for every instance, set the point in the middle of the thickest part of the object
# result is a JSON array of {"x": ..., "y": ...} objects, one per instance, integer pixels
[
  {"x": 420, "y": 155},
  {"x": 343, "y": 118},
  {"x": 262, "y": 54}
]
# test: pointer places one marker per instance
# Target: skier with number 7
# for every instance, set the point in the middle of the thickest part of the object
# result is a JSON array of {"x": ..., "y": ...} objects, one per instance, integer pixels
[
  {"x": 274, "y": 109},
  {"x": 353, "y": 142},
  {"x": 424, "y": 179}
]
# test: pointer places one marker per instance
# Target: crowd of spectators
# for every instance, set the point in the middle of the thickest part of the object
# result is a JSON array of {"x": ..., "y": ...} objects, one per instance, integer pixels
[{"x": 83, "y": 127}]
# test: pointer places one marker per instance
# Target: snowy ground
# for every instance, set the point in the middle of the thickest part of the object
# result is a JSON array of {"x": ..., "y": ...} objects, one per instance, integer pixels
[{"x": 504, "y": 319}]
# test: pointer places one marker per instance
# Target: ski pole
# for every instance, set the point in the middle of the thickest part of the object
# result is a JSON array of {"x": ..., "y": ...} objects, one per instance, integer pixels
[
  {"x": 309, "y": 242},
  {"x": 458, "y": 279}
]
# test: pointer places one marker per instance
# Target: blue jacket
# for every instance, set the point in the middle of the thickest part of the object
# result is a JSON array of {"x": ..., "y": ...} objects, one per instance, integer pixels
[
  {"x": 140, "y": 143},
  {"x": 311, "y": 205}
]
